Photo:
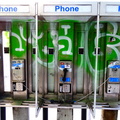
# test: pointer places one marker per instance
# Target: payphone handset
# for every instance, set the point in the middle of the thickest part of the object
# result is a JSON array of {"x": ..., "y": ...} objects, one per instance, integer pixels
[{"x": 65, "y": 70}]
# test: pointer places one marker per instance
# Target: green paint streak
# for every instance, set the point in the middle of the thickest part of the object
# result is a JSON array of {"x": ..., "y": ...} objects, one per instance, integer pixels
[{"x": 16, "y": 39}]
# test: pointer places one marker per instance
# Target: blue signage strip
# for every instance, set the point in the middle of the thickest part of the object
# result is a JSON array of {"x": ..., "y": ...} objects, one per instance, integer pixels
[
  {"x": 115, "y": 66},
  {"x": 114, "y": 79},
  {"x": 67, "y": 80},
  {"x": 118, "y": 8}
]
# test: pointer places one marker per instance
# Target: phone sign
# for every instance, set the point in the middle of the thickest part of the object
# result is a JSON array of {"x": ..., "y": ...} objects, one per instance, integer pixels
[
  {"x": 15, "y": 9},
  {"x": 67, "y": 8}
]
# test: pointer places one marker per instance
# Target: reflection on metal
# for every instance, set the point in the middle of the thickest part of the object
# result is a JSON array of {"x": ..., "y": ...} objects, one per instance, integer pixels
[
  {"x": 36, "y": 58},
  {"x": 96, "y": 60},
  {"x": 6, "y": 60}
]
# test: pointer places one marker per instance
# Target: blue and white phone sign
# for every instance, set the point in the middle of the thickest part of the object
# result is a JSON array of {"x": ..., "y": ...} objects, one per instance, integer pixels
[
  {"x": 14, "y": 9},
  {"x": 67, "y": 8}
]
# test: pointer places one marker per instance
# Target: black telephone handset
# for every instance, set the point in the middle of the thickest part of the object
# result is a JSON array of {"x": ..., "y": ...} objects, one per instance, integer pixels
[{"x": 65, "y": 70}]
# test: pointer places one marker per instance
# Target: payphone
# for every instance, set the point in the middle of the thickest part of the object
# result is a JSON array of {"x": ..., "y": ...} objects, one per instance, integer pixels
[
  {"x": 65, "y": 79},
  {"x": 18, "y": 79},
  {"x": 113, "y": 85}
]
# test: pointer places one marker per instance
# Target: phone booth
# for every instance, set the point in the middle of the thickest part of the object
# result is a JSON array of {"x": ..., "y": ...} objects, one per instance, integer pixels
[
  {"x": 111, "y": 14},
  {"x": 15, "y": 54},
  {"x": 67, "y": 52}
]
